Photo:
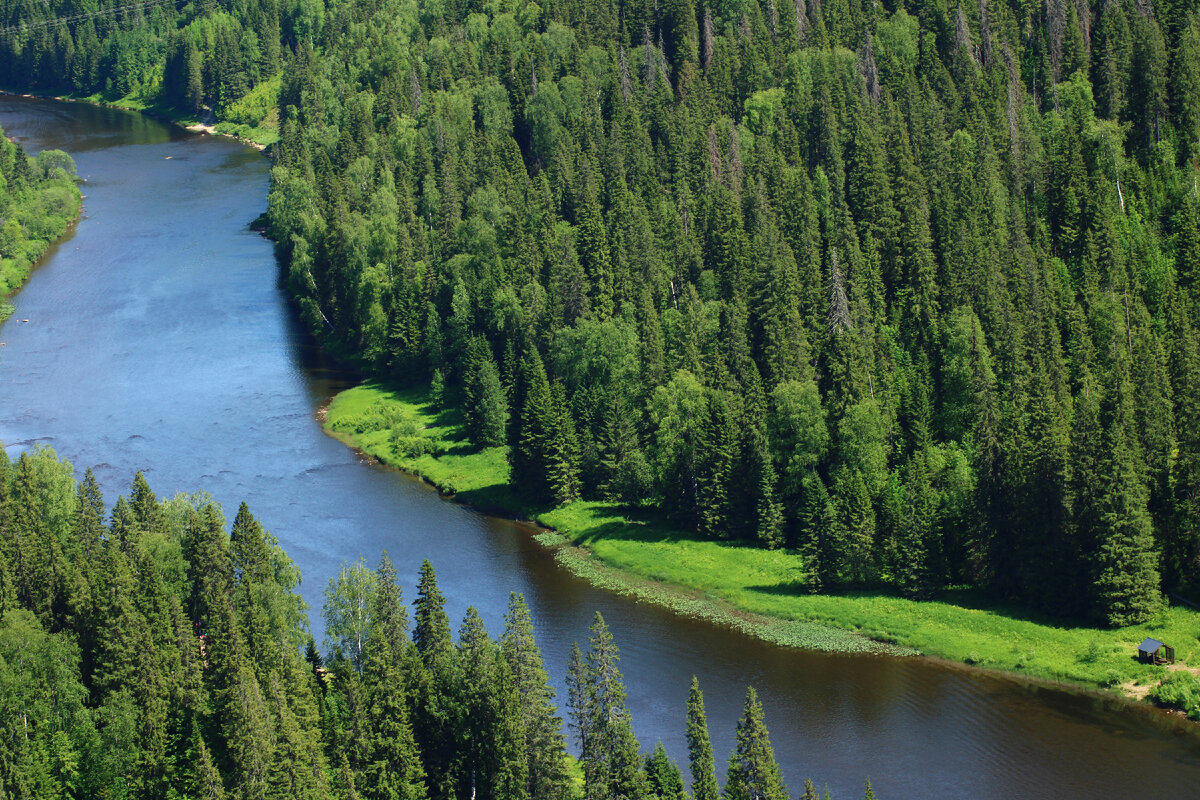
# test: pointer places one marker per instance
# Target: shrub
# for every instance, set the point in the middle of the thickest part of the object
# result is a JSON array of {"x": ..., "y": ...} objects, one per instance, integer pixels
[{"x": 1181, "y": 690}]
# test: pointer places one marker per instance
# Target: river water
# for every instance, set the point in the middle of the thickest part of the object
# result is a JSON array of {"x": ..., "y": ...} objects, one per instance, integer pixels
[{"x": 158, "y": 338}]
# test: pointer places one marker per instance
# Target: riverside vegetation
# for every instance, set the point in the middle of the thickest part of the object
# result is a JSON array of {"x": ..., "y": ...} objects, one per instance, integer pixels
[
  {"x": 38, "y": 201},
  {"x": 904, "y": 290},
  {"x": 154, "y": 655},
  {"x": 640, "y": 553}
]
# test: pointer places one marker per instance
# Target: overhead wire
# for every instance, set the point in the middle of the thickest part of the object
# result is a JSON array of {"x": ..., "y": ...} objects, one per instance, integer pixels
[{"x": 139, "y": 5}]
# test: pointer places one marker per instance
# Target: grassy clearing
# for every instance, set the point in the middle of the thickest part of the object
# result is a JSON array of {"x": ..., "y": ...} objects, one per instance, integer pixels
[{"x": 634, "y": 552}]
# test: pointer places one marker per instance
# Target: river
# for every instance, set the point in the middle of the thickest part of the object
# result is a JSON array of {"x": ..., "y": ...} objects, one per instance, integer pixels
[{"x": 159, "y": 338}]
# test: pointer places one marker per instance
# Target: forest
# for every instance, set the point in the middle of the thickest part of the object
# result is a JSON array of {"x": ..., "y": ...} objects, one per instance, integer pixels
[
  {"x": 149, "y": 653},
  {"x": 38, "y": 200},
  {"x": 907, "y": 287}
]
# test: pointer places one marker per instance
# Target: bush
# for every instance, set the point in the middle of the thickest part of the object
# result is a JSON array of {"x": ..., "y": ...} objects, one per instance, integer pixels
[
  {"x": 1181, "y": 690},
  {"x": 406, "y": 435},
  {"x": 379, "y": 416},
  {"x": 1092, "y": 654},
  {"x": 408, "y": 445}
]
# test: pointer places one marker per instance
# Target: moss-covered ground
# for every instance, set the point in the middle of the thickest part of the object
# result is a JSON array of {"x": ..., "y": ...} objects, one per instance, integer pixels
[{"x": 635, "y": 552}]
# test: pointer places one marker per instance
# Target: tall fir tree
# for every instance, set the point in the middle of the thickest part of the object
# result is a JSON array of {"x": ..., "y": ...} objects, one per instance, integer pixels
[
  {"x": 544, "y": 746},
  {"x": 753, "y": 773},
  {"x": 700, "y": 752}
]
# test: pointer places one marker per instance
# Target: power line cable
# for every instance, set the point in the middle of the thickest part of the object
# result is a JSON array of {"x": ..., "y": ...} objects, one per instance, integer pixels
[{"x": 140, "y": 5}]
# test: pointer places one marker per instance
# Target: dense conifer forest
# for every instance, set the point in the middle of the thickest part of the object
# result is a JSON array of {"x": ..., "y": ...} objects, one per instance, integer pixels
[
  {"x": 148, "y": 653},
  {"x": 908, "y": 287},
  {"x": 38, "y": 200}
]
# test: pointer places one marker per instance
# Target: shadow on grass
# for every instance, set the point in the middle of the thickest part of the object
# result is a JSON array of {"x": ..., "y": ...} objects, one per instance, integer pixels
[
  {"x": 591, "y": 522},
  {"x": 970, "y": 598},
  {"x": 498, "y": 500}
]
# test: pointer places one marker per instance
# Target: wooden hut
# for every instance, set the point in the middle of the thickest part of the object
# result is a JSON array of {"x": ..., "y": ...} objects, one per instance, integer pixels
[{"x": 1152, "y": 651}]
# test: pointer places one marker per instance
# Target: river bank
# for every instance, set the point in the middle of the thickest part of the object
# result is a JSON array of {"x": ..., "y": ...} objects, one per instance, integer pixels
[
  {"x": 259, "y": 138},
  {"x": 633, "y": 552},
  {"x": 161, "y": 340},
  {"x": 43, "y": 213}
]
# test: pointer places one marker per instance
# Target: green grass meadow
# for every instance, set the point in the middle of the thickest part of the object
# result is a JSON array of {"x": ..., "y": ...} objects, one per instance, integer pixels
[{"x": 760, "y": 591}]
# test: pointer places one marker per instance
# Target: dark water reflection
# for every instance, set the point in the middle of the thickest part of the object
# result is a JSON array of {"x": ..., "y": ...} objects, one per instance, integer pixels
[{"x": 159, "y": 338}]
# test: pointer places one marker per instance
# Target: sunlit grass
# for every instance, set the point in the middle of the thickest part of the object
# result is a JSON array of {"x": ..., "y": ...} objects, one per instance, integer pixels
[{"x": 761, "y": 591}]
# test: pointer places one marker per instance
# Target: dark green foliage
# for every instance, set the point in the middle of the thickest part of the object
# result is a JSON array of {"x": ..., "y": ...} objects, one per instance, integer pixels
[
  {"x": 209, "y": 685},
  {"x": 431, "y": 633},
  {"x": 700, "y": 752},
  {"x": 392, "y": 768},
  {"x": 544, "y": 748},
  {"x": 438, "y": 709},
  {"x": 491, "y": 760},
  {"x": 753, "y": 773},
  {"x": 485, "y": 402},
  {"x": 170, "y": 664},
  {"x": 609, "y": 751},
  {"x": 900, "y": 241},
  {"x": 1126, "y": 566},
  {"x": 663, "y": 775}
]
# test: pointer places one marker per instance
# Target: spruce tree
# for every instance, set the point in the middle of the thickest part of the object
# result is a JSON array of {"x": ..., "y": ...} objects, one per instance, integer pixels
[
  {"x": 717, "y": 457},
  {"x": 485, "y": 405},
  {"x": 491, "y": 763},
  {"x": 700, "y": 752},
  {"x": 389, "y": 618},
  {"x": 544, "y": 747},
  {"x": 438, "y": 708},
  {"x": 753, "y": 773},
  {"x": 663, "y": 775},
  {"x": 609, "y": 750},
  {"x": 393, "y": 768},
  {"x": 1126, "y": 562},
  {"x": 561, "y": 454},
  {"x": 529, "y": 456},
  {"x": 431, "y": 633}
]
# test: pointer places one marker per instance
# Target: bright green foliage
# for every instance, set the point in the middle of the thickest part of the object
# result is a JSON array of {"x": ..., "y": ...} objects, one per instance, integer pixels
[
  {"x": 347, "y": 612},
  {"x": 43, "y": 722},
  {"x": 38, "y": 201}
]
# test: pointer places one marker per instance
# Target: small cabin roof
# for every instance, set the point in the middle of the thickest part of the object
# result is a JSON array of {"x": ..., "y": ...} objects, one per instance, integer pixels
[{"x": 1150, "y": 646}]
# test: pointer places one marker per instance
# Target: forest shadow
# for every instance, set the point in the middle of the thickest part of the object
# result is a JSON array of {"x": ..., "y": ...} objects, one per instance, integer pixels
[
  {"x": 630, "y": 523},
  {"x": 966, "y": 597}
]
